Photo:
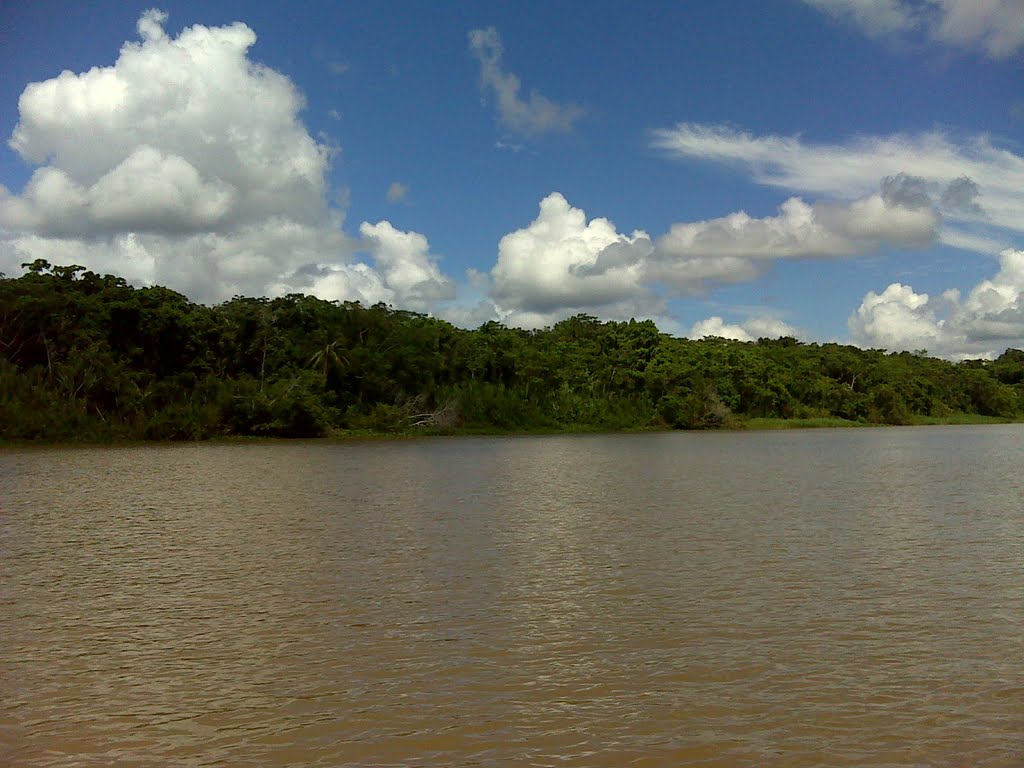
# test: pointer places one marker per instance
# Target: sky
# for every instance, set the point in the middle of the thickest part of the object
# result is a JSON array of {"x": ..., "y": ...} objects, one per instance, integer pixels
[{"x": 834, "y": 170}]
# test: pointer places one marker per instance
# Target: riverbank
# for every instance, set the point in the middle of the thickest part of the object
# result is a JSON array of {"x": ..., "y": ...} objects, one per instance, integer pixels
[
  {"x": 737, "y": 425},
  {"x": 957, "y": 419},
  {"x": 353, "y": 435}
]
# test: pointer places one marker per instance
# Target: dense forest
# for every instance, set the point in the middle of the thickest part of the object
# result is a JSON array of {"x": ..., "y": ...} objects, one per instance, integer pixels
[{"x": 89, "y": 357}]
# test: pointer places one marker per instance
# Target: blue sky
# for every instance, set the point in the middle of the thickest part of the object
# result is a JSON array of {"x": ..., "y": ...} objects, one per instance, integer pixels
[{"x": 845, "y": 170}]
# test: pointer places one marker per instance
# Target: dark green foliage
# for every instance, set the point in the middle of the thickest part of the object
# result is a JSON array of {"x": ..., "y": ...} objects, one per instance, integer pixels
[{"x": 88, "y": 357}]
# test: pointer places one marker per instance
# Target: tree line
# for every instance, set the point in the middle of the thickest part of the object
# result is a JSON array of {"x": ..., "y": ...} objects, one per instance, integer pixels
[{"x": 89, "y": 357}]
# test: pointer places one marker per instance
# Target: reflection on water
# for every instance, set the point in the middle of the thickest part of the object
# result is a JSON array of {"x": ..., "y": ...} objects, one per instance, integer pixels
[{"x": 825, "y": 598}]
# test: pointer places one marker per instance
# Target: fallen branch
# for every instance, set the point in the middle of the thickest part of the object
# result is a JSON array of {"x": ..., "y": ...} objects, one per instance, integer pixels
[{"x": 445, "y": 417}]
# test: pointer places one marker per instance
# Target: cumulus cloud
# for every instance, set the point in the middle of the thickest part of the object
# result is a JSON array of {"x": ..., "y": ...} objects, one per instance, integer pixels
[
  {"x": 980, "y": 185},
  {"x": 531, "y": 116},
  {"x": 404, "y": 273},
  {"x": 405, "y": 263},
  {"x": 545, "y": 271},
  {"x": 186, "y": 163},
  {"x": 897, "y": 319},
  {"x": 148, "y": 191},
  {"x": 196, "y": 105},
  {"x": 982, "y": 324},
  {"x": 752, "y": 329},
  {"x": 803, "y": 230},
  {"x": 738, "y": 248},
  {"x": 562, "y": 263},
  {"x": 993, "y": 26}
]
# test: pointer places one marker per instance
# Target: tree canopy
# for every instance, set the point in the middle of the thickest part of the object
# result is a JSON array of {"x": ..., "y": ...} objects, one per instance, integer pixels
[{"x": 89, "y": 357}]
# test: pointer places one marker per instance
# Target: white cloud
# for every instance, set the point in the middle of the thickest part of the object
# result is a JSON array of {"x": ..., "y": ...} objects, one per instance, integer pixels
[
  {"x": 404, "y": 261},
  {"x": 768, "y": 327},
  {"x": 470, "y": 315},
  {"x": 151, "y": 24},
  {"x": 543, "y": 272},
  {"x": 970, "y": 241},
  {"x": 531, "y": 116},
  {"x": 185, "y": 163},
  {"x": 994, "y": 26},
  {"x": 805, "y": 231},
  {"x": 562, "y": 264},
  {"x": 397, "y": 192},
  {"x": 342, "y": 282},
  {"x": 738, "y": 248},
  {"x": 480, "y": 281},
  {"x": 760, "y": 327},
  {"x": 980, "y": 184},
  {"x": 983, "y": 324},
  {"x": 967, "y": 194},
  {"x": 898, "y": 319},
  {"x": 404, "y": 273},
  {"x": 197, "y": 97}
]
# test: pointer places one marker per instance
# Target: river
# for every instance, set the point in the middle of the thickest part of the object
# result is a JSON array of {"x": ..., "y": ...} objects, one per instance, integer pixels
[{"x": 799, "y": 598}]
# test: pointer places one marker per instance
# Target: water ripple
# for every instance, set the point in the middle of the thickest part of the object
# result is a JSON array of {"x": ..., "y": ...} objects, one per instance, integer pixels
[{"x": 812, "y": 599}]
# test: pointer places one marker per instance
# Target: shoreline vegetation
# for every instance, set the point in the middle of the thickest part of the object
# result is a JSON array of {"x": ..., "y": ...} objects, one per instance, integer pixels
[
  {"x": 86, "y": 358},
  {"x": 363, "y": 435}
]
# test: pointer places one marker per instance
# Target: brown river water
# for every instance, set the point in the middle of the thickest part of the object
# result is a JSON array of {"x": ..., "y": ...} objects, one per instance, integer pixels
[{"x": 805, "y": 598}]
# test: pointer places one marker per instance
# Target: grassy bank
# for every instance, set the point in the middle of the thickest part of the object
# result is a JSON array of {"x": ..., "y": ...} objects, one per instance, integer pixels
[{"x": 825, "y": 422}]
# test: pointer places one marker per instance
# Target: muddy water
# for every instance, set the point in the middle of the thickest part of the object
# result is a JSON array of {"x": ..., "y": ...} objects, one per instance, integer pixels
[{"x": 819, "y": 598}]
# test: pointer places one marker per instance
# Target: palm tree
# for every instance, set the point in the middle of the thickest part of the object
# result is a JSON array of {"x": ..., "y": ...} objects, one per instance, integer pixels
[{"x": 329, "y": 356}]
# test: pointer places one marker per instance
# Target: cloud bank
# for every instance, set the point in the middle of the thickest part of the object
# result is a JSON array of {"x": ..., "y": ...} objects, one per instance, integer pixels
[
  {"x": 982, "y": 324},
  {"x": 967, "y": 194},
  {"x": 562, "y": 263},
  {"x": 977, "y": 186}
]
